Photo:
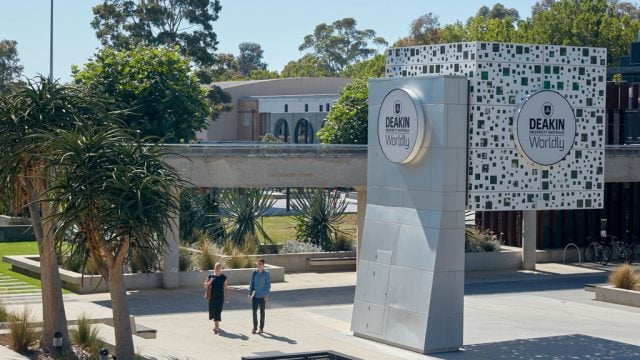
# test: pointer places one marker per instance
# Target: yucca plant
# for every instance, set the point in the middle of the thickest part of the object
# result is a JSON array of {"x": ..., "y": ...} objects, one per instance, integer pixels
[
  {"x": 624, "y": 277},
  {"x": 318, "y": 214},
  {"x": 200, "y": 212},
  {"x": 86, "y": 335},
  {"x": 21, "y": 333},
  {"x": 244, "y": 208}
]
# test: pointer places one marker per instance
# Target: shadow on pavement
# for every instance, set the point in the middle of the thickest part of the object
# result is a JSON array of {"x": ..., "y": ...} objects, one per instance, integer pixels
[
  {"x": 160, "y": 301},
  {"x": 232, "y": 336},
  {"x": 576, "y": 346},
  {"x": 270, "y": 336},
  {"x": 531, "y": 285}
]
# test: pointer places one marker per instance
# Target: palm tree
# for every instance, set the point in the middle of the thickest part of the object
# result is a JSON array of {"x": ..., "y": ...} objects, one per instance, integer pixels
[
  {"x": 116, "y": 194},
  {"x": 40, "y": 105}
]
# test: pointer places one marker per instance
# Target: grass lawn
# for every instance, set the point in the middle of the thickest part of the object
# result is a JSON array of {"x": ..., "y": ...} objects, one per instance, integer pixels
[
  {"x": 18, "y": 248},
  {"x": 282, "y": 228}
]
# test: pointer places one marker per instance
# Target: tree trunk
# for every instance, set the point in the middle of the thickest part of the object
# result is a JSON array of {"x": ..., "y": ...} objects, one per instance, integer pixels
[
  {"x": 120, "y": 310},
  {"x": 54, "y": 318}
]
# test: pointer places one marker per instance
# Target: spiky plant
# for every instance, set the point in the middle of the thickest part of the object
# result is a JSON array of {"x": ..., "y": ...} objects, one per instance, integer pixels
[
  {"x": 22, "y": 334},
  {"x": 86, "y": 335},
  {"x": 318, "y": 214},
  {"x": 244, "y": 208}
]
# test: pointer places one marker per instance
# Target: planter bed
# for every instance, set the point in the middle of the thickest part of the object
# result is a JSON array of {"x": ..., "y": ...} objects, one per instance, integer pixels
[
  {"x": 30, "y": 265},
  {"x": 611, "y": 294}
]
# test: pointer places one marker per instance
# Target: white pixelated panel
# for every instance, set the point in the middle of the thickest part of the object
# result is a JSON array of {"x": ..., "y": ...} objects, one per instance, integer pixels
[{"x": 500, "y": 76}]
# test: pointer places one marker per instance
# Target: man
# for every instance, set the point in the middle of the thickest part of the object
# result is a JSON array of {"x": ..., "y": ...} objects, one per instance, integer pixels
[{"x": 259, "y": 289}]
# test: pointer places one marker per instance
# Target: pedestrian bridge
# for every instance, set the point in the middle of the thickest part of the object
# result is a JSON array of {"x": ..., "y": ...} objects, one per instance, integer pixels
[
  {"x": 270, "y": 165},
  {"x": 313, "y": 165}
]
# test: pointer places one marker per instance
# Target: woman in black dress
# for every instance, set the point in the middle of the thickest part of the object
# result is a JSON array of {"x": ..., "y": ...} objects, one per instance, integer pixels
[{"x": 219, "y": 295}]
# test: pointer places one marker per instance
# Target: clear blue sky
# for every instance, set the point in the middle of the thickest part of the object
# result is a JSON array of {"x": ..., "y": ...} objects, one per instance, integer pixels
[{"x": 279, "y": 26}]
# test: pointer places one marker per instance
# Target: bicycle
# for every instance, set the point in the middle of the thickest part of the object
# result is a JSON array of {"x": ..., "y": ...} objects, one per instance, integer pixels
[
  {"x": 595, "y": 251},
  {"x": 623, "y": 251}
]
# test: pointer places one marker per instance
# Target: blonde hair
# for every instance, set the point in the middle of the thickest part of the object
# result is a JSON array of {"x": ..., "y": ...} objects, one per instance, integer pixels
[{"x": 217, "y": 266}]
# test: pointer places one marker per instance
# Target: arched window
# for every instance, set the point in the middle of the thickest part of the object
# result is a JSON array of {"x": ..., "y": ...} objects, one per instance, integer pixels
[
  {"x": 303, "y": 132},
  {"x": 281, "y": 130}
]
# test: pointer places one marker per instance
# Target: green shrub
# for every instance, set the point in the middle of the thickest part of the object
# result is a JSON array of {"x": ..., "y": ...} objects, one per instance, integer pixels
[
  {"x": 86, "y": 335},
  {"x": 624, "y": 277},
  {"x": 297, "y": 247},
  {"x": 21, "y": 334},
  {"x": 476, "y": 240},
  {"x": 185, "y": 261},
  {"x": 342, "y": 242},
  {"x": 4, "y": 315}
]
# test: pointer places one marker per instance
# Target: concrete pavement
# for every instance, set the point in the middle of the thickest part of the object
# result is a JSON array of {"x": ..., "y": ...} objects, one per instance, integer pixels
[{"x": 508, "y": 315}]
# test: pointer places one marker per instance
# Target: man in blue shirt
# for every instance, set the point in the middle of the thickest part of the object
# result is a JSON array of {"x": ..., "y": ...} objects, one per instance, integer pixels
[{"x": 259, "y": 289}]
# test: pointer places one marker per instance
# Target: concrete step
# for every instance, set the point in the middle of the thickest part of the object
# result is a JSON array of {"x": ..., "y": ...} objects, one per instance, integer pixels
[
  {"x": 17, "y": 286},
  {"x": 20, "y": 299}
]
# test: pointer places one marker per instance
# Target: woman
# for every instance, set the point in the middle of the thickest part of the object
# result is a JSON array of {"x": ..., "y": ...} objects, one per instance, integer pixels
[{"x": 219, "y": 293}]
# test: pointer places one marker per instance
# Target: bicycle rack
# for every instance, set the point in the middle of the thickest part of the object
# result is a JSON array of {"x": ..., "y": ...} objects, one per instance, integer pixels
[{"x": 564, "y": 253}]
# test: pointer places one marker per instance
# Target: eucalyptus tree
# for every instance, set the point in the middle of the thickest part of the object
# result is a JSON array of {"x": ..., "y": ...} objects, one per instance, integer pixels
[
  {"x": 341, "y": 43},
  {"x": 10, "y": 68},
  {"x": 117, "y": 195},
  {"x": 126, "y": 24},
  {"x": 40, "y": 105}
]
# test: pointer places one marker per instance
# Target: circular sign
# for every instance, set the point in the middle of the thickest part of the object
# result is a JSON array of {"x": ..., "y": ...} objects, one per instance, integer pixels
[
  {"x": 400, "y": 126},
  {"x": 545, "y": 127}
]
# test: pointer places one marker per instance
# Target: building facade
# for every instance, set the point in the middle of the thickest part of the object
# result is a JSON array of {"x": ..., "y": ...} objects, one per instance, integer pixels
[{"x": 293, "y": 109}]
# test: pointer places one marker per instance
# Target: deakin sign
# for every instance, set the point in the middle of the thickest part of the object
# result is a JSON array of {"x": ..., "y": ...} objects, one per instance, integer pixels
[
  {"x": 400, "y": 126},
  {"x": 545, "y": 127}
]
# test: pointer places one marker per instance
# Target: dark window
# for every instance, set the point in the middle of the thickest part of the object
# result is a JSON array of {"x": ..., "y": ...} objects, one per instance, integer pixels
[
  {"x": 306, "y": 107},
  {"x": 303, "y": 132},
  {"x": 328, "y": 107},
  {"x": 320, "y": 108},
  {"x": 281, "y": 131},
  {"x": 286, "y": 107}
]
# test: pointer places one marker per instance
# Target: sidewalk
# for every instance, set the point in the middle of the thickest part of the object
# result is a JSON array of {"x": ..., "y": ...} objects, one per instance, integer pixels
[{"x": 508, "y": 314}]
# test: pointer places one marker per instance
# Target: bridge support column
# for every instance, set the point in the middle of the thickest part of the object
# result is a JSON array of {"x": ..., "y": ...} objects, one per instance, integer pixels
[
  {"x": 362, "y": 207},
  {"x": 170, "y": 263},
  {"x": 529, "y": 230}
]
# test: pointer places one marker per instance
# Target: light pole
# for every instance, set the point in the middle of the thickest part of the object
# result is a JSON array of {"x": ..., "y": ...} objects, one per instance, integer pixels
[{"x": 51, "y": 46}]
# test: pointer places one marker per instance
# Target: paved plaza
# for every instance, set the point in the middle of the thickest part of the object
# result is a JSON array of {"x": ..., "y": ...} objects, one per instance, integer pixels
[{"x": 543, "y": 314}]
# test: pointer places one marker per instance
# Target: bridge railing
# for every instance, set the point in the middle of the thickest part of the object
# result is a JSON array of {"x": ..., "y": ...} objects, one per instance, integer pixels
[
  {"x": 622, "y": 150},
  {"x": 267, "y": 150},
  {"x": 312, "y": 150}
]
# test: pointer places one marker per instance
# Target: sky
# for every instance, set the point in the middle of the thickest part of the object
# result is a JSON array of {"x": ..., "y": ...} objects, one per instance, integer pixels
[{"x": 279, "y": 26}]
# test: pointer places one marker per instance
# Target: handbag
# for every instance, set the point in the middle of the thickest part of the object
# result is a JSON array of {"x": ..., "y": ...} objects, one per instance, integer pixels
[{"x": 207, "y": 293}]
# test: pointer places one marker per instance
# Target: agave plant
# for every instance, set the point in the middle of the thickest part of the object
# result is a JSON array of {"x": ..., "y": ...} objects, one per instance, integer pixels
[
  {"x": 244, "y": 208},
  {"x": 318, "y": 213},
  {"x": 200, "y": 212}
]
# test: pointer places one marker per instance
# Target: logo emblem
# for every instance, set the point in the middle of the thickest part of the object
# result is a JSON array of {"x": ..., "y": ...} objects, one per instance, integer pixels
[
  {"x": 547, "y": 109},
  {"x": 397, "y": 108}
]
